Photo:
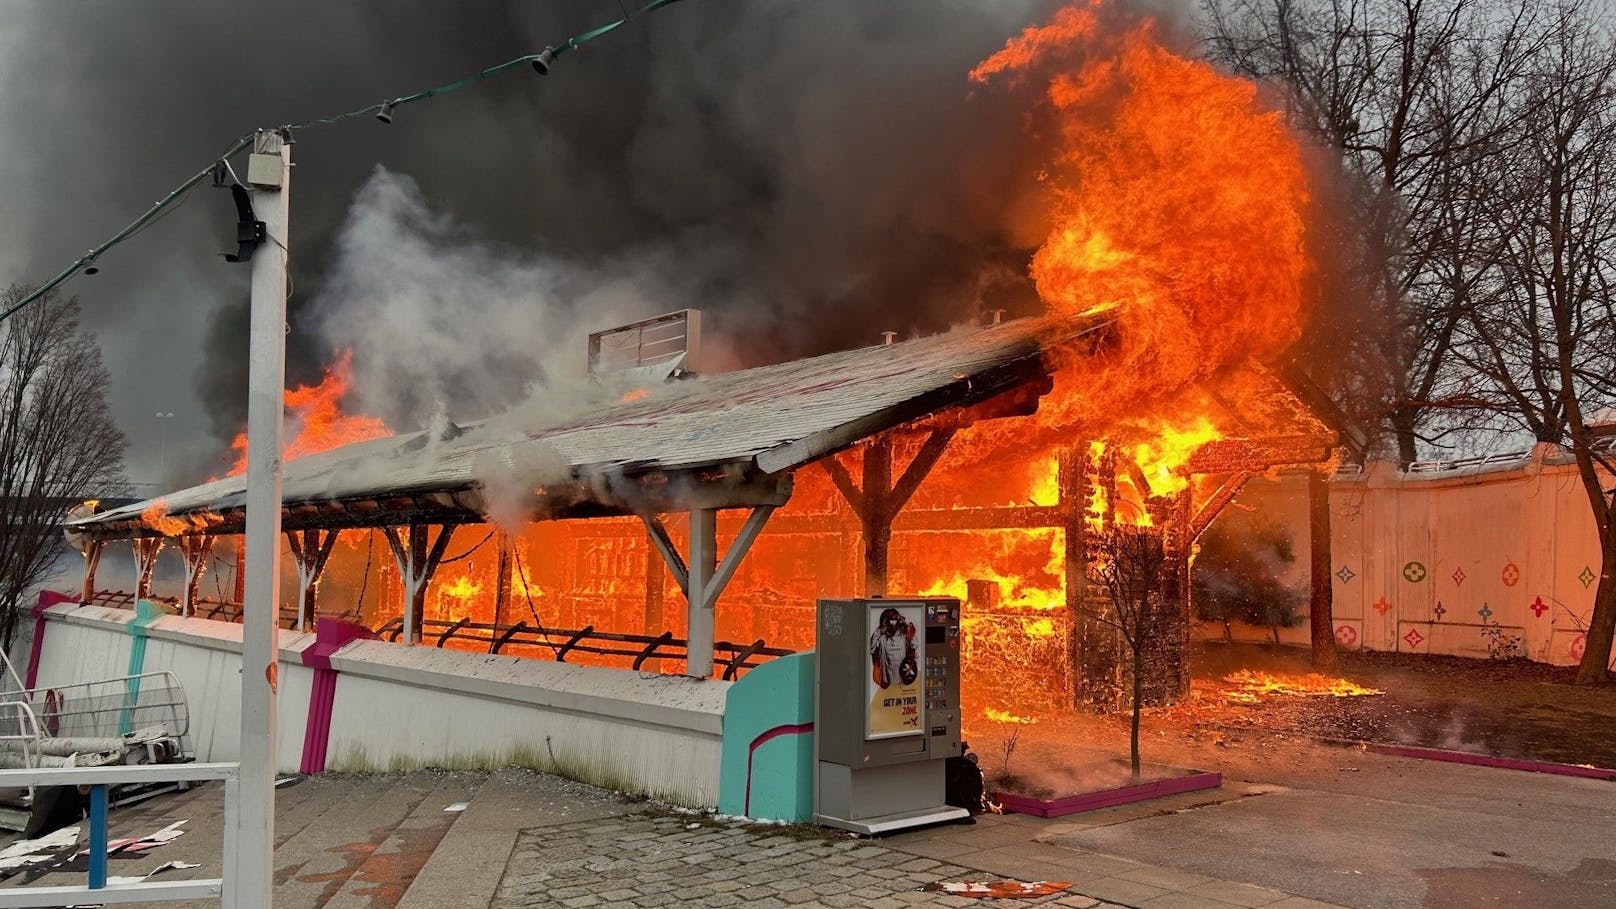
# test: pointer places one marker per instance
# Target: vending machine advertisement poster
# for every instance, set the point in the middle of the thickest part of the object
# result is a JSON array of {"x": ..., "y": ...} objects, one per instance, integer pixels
[{"x": 895, "y": 707}]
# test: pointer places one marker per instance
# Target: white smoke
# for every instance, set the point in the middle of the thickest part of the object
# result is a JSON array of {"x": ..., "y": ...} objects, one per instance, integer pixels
[{"x": 439, "y": 321}]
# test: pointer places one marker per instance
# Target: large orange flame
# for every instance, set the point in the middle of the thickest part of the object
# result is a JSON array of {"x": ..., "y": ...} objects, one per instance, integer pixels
[
  {"x": 1175, "y": 199},
  {"x": 314, "y": 416}
]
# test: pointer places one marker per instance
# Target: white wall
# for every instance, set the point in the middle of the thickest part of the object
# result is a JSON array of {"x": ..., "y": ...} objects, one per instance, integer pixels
[
  {"x": 1473, "y": 532},
  {"x": 400, "y": 707}
]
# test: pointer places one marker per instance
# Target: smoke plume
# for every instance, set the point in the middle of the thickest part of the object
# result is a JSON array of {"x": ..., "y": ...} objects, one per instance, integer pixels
[{"x": 808, "y": 174}]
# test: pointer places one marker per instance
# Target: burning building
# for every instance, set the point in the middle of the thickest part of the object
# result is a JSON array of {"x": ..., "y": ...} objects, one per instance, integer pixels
[
  {"x": 1054, "y": 472},
  {"x": 924, "y": 466}
]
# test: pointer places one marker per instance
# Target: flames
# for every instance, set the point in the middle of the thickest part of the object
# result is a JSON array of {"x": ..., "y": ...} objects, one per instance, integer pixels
[
  {"x": 1174, "y": 202},
  {"x": 1250, "y": 686},
  {"x": 156, "y": 517},
  {"x": 1004, "y": 716},
  {"x": 316, "y": 420}
]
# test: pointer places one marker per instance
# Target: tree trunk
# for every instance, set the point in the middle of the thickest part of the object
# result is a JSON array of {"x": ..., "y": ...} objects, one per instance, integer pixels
[
  {"x": 1138, "y": 697},
  {"x": 1407, "y": 442},
  {"x": 1593, "y": 670},
  {"x": 1320, "y": 606}
]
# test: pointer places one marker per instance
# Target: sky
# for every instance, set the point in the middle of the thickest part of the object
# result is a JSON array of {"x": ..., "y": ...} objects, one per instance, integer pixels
[{"x": 808, "y": 173}]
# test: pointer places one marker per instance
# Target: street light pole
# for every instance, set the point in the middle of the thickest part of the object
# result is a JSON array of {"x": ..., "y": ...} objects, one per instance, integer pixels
[
  {"x": 269, "y": 171},
  {"x": 162, "y": 444}
]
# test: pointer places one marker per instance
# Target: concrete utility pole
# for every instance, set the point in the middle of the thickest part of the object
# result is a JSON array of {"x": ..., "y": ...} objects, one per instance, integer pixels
[{"x": 252, "y": 884}]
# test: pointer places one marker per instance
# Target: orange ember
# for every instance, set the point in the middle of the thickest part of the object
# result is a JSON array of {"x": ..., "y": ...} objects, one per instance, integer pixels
[{"x": 315, "y": 418}]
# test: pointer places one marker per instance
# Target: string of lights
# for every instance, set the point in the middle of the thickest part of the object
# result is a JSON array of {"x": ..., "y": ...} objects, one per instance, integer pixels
[{"x": 382, "y": 110}]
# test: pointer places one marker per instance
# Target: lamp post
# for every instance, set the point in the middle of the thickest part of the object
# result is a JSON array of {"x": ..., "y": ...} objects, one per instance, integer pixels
[
  {"x": 162, "y": 443},
  {"x": 253, "y": 882}
]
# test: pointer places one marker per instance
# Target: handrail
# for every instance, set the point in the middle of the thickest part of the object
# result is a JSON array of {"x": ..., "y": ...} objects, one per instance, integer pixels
[
  {"x": 740, "y": 658},
  {"x": 561, "y": 655},
  {"x": 449, "y": 632},
  {"x": 499, "y": 637},
  {"x": 96, "y": 890},
  {"x": 651, "y": 648},
  {"x": 510, "y": 632}
]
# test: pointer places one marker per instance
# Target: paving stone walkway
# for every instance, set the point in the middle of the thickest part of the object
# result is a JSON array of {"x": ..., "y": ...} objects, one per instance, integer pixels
[
  {"x": 512, "y": 838},
  {"x": 649, "y": 860}
]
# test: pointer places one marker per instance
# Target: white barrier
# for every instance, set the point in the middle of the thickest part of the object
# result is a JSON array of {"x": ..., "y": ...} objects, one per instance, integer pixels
[{"x": 395, "y": 707}]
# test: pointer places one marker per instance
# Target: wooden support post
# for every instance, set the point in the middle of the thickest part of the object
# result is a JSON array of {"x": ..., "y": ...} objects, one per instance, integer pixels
[
  {"x": 92, "y": 561},
  {"x": 502, "y": 583},
  {"x": 196, "y": 550},
  {"x": 1071, "y": 472},
  {"x": 707, "y": 578},
  {"x": 417, "y": 555},
  {"x": 310, "y": 555},
  {"x": 876, "y": 518},
  {"x": 877, "y": 500},
  {"x": 241, "y": 575},
  {"x": 703, "y": 561},
  {"x": 146, "y": 550}
]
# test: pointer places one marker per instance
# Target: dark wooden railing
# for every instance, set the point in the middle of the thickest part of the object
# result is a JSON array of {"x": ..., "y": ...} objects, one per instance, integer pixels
[{"x": 531, "y": 641}]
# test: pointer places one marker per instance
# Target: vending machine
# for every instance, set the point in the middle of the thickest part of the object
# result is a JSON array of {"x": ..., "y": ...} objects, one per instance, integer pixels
[{"x": 886, "y": 712}]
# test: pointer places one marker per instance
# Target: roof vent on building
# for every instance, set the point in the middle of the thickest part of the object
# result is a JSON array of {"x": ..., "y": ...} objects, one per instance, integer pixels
[{"x": 649, "y": 351}]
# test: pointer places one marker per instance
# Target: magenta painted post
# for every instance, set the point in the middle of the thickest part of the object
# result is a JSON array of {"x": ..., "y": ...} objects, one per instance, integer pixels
[
  {"x": 330, "y": 636},
  {"x": 47, "y": 599}
]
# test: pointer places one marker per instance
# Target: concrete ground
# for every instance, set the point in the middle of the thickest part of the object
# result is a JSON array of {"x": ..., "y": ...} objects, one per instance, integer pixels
[{"x": 1306, "y": 828}]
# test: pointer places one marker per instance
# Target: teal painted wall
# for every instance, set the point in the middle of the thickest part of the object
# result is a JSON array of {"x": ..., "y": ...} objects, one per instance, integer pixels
[{"x": 775, "y": 696}]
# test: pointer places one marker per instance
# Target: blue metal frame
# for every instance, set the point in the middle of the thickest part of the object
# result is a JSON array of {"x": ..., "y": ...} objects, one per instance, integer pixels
[{"x": 98, "y": 836}]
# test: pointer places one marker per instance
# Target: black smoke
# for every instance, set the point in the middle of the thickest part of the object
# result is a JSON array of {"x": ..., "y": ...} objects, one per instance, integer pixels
[{"x": 808, "y": 173}]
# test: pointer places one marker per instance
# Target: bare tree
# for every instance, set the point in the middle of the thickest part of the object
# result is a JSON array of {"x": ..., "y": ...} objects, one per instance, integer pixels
[
  {"x": 1544, "y": 342},
  {"x": 58, "y": 443},
  {"x": 1404, "y": 92},
  {"x": 1131, "y": 563}
]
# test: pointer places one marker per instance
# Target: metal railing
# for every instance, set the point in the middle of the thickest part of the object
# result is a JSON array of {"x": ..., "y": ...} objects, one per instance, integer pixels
[
  {"x": 20, "y": 738},
  {"x": 96, "y": 889},
  {"x": 556, "y": 643},
  {"x": 559, "y": 643},
  {"x": 110, "y": 708}
]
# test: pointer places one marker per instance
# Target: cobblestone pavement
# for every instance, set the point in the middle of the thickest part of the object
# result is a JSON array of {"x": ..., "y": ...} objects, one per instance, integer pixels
[{"x": 648, "y": 860}]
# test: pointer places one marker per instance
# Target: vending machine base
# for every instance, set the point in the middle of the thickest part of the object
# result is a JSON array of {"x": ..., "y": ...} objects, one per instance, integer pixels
[
  {"x": 882, "y": 799},
  {"x": 892, "y": 823}
]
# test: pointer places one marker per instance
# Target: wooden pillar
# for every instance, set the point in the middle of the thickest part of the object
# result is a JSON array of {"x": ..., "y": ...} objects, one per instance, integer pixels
[
  {"x": 241, "y": 575},
  {"x": 702, "y": 563},
  {"x": 875, "y": 517},
  {"x": 502, "y": 584},
  {"x": 417, "y": 555},
  {"x": 92, "y": 561},
  {"x": 877, "y": 500},
  {"x": 311, "y": 549},
  {"x": 1071, "y": 473},
  {"x": 146, "y": 550},
  {"x": 196, "y": 551}
]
